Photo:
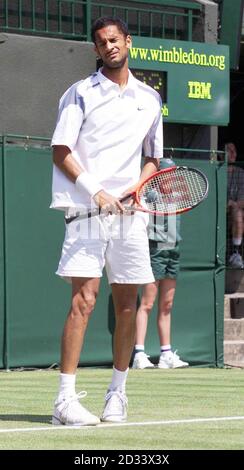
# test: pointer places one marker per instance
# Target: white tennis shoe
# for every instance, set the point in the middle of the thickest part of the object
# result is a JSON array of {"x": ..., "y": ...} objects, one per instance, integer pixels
[
  {"x": 171, "y": 360},
  {"x": 141, "y": 361},
  {"x": 70, "y": 412},
  {"x": 115, "y": 410},
  {"x": 236, "y": 261}
]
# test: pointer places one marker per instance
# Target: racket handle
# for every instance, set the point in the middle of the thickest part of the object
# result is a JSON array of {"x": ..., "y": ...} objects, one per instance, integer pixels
[
  {"x": 134, "y": 208},
  {"x": 85, "y": 215},
  {"x": 95, "y": 212},
  {"x": 124, "y": 198}
]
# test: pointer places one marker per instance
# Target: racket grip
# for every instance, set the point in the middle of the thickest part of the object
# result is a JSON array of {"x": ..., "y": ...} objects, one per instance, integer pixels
[
  {"x": 97, "y": 211},
  {"x": 85, "y": 215},
  {"x": 133, "y": 209},
  {"x": 124, "y": 198}
]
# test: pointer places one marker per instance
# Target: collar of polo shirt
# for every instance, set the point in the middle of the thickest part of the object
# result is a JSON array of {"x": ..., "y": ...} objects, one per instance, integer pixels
[{"x": 106, "y": 83}]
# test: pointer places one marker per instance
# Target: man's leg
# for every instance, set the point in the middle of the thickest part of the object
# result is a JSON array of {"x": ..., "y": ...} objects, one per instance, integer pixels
[
  {"x": 236, "y": 220},
  {"x": 84, "y": 294},
  {"x": 165, "y": 303},
  {"x": 168, "y": 359},
  {"x": 125, "y": 302},
  {"x": 149, "y": 294},
  {"x": 128, "y": 266},
  {"x": 237, "y": 223},
  {"x": 67, "y": 407}
]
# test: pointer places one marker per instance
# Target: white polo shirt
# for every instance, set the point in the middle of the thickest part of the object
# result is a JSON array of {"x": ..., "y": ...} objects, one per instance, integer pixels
[{"x": 106, "y": 130}]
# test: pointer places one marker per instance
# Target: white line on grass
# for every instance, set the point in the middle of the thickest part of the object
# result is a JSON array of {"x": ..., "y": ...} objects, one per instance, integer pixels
[{"x": 109, "y": 425}]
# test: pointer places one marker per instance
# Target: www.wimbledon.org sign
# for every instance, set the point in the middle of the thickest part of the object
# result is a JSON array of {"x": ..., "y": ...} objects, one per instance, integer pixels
[{"x": 191, "y": 77}]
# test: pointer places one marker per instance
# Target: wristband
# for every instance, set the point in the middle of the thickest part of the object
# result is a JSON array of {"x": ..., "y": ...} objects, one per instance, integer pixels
[{"x": 87, "y": 181}]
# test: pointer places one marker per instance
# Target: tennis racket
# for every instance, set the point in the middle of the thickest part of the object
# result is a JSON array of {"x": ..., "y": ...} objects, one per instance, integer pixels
[{"x": 174, "y": 190}]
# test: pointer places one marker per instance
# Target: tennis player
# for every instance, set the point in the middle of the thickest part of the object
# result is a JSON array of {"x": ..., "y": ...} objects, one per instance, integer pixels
[
  {"x": 164, "y": 239},
  {"x": 104, "y": 125}
]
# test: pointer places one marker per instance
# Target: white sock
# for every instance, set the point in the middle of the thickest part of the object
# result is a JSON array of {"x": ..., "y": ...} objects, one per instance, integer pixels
[
  {"x": 166, "y": 349},
  {"x": 139, "y": 348},
  {"x": 237, "y": 241},
  {"x": 119, "y": 380},
  {"x": 67, "y": 385}
]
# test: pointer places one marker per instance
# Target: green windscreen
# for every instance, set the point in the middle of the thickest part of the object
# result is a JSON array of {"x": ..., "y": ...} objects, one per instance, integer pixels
[{"x": 34, "y": 301}]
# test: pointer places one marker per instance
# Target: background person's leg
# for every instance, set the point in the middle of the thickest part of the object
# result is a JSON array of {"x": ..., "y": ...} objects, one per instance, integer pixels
[{"x": 149, "y": 294}]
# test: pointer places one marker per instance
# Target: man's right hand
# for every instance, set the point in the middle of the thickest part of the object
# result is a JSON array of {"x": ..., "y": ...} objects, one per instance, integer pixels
[{"x": 108, "y": 203}]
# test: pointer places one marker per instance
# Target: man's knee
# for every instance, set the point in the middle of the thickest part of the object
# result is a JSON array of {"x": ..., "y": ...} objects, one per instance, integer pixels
[
  {"x": 84, "y": 303},
  {"x": 147, "y": 306},
  {"x": 167, "y": 306}
]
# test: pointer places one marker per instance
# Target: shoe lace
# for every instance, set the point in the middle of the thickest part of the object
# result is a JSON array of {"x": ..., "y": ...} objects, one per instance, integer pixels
[
  {"x": 143, "y": 355},
  {"x": 235, "y": 256},
  {"x": 120, "y": 395},
  {"x": 81, "y": 394},
  {"x": 236, "y": 260},
  {"x": 175, "y": 355},
  {"x": 147, "y": 360},
  {"x": 76, "y": 397}
]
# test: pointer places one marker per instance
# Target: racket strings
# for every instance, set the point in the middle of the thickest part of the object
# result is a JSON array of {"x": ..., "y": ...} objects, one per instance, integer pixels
[{"x": 173, "y": 191}]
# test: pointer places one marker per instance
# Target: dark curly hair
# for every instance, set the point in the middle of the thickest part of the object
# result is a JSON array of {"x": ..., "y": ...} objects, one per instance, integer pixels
[{"x": 107, "y": 21}]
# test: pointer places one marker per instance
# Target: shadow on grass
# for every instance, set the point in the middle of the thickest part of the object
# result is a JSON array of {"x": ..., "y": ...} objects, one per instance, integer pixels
[{"x": 28, "y": 418}]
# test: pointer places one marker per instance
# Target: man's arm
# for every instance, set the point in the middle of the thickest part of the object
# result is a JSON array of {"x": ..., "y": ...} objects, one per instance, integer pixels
[
  {"x": 64, "y": 160},
  {"x": 151, "y": 165}
]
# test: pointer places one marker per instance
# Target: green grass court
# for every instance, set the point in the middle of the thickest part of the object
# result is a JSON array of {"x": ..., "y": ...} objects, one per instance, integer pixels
[{"x": 194, "y": 408}]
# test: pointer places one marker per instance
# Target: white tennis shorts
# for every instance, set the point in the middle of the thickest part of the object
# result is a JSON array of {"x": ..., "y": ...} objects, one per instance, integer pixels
[{"x": 118, "y": 242}]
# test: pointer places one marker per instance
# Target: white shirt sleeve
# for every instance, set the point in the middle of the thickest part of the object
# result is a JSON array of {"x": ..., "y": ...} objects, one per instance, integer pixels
[
  {"x": 70, "y": 118},
  {"x": 153, "y": 142}
]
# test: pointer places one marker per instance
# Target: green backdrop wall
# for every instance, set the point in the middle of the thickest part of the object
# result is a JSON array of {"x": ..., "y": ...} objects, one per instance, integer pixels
[{"x": 34, "y": 301}]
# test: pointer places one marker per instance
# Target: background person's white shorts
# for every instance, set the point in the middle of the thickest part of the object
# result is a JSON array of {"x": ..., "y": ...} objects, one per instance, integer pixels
[{"x": 118, "y": 242}]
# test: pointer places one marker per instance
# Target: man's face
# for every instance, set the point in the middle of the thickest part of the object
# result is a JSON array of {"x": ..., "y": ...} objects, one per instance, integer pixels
[{"x": 112, "y": 46}]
